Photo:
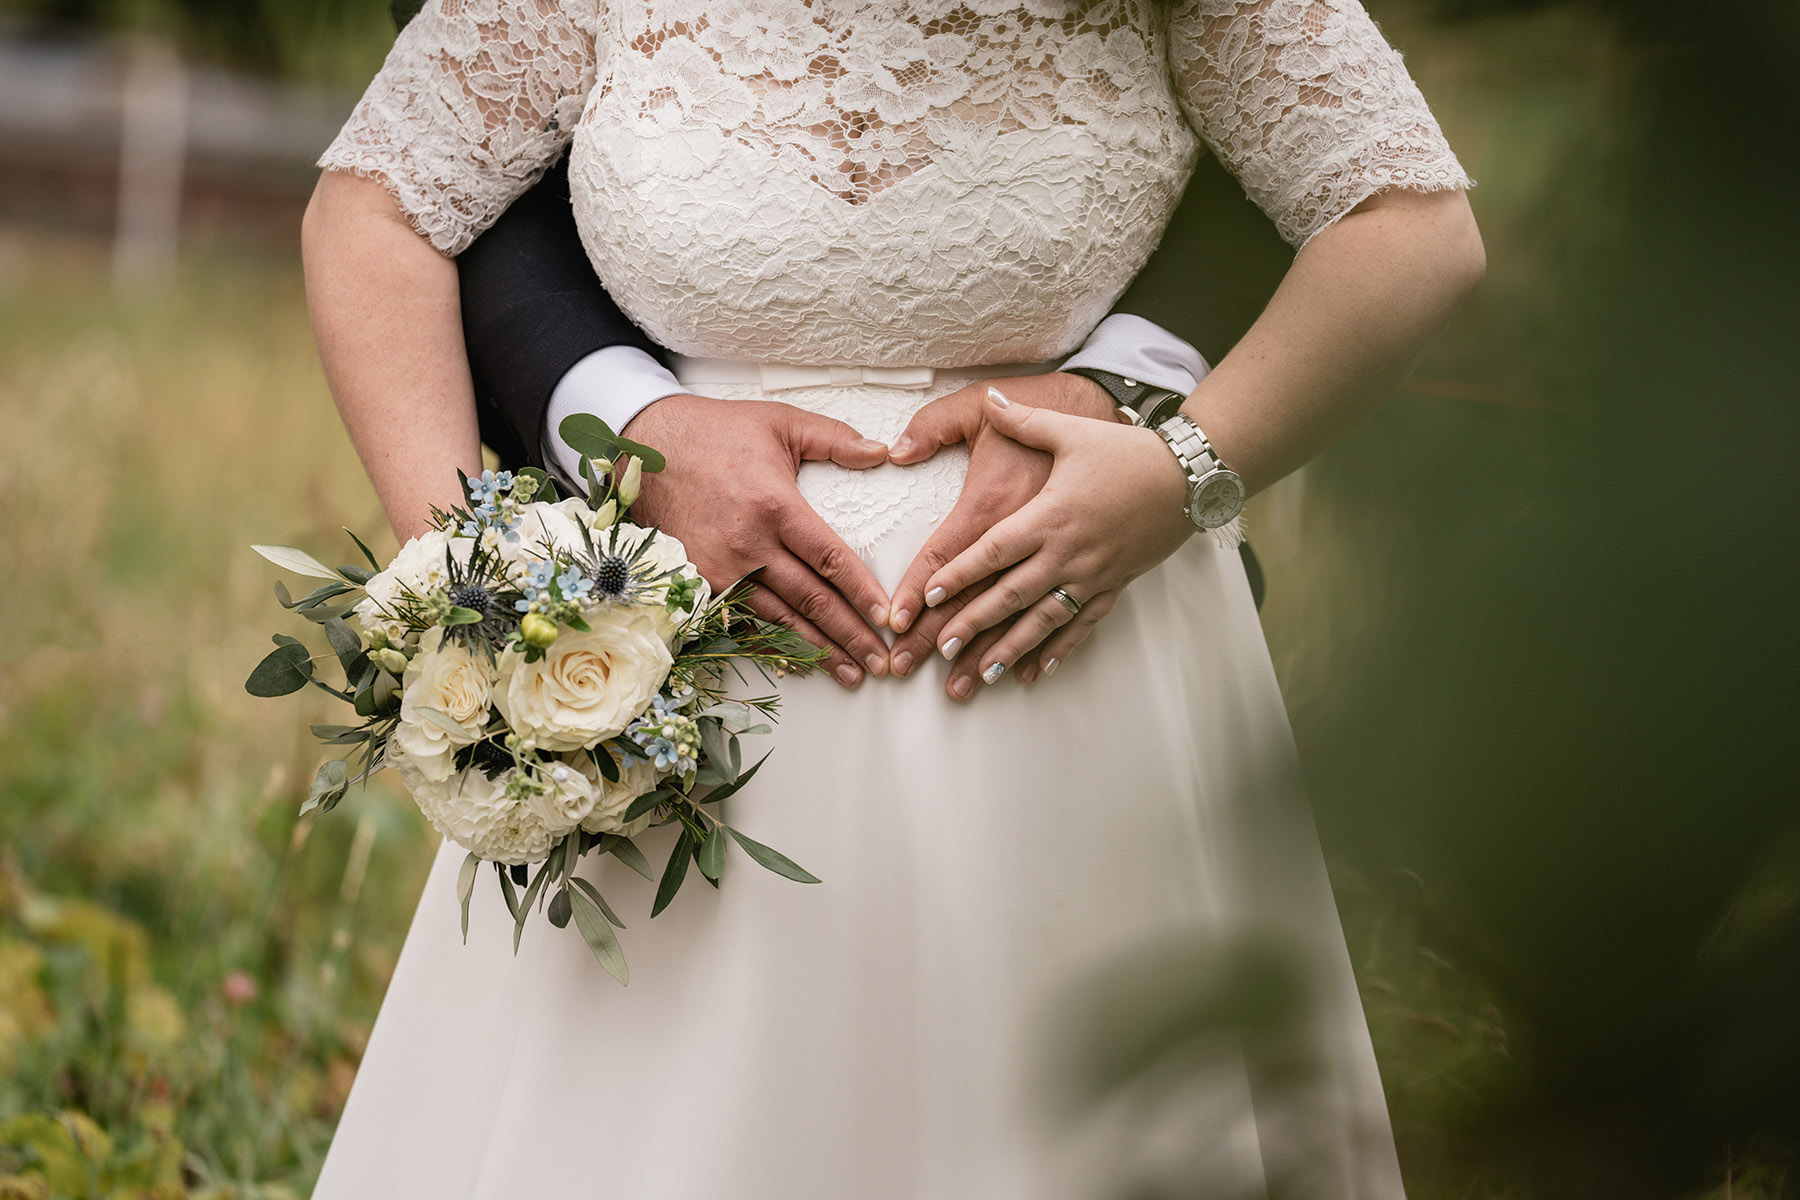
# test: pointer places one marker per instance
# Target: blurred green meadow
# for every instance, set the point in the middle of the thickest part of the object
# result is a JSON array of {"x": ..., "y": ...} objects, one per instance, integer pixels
[{"x": 1552, "y": 944}]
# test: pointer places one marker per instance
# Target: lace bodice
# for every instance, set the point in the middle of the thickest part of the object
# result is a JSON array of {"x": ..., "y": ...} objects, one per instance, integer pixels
[{"x": 885, "y": 182}]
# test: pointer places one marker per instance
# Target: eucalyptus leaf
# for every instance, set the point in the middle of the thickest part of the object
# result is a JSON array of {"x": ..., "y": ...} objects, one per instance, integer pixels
[
  {"x": 626, "y": 851},
  {"x": 328, "y": 786},
  {"x": 344, "y": 642},
  {"x": 465, "y": 887},
  {"x": 593, "y": 893},
  {"x": 716, "y": 749},
  {"x": 674, "y": 873},
  {"x": 598, "y": 934},
  {"x": 530, "y": 898},
  {"x": 644, "y": 804},
  {"x": 510, "y": 891},
  {"x": 283, "y": 597},
  {"x": 363, "y": 546},
  {"x": 588, "y": 436},
  {"x": 731, "y": 789},
  {"x": 441, "y": 719},
  {"x": 711, "y": 859},
  {"x": 607, "y": 765},
  {"x": 652, "y": 458},
  {"x": 559, "y": 908},
  {"x": 283, "y": 671},
  {"x": 297, "y": 561},
  {"x": 775, "y": 860},
  {"x": 356, "y": 575}
]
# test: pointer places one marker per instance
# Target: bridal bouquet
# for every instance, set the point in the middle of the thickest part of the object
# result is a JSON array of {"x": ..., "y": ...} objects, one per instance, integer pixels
[{"x": 547, "y": 679}]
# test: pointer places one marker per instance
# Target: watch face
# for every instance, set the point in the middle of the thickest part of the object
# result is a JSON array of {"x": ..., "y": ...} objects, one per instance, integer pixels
[{"x": 1216, "y": 499}]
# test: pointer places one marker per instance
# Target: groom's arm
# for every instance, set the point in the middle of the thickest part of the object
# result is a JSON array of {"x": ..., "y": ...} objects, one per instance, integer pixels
[{"x": 542, "y": 332}]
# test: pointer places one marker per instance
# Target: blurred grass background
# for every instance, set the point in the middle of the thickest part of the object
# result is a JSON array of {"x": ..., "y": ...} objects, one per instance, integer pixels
[{"x": 1534, "y": 622}]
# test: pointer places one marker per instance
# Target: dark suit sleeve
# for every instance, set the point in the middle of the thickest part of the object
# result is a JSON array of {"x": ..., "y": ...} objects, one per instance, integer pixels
[
  {"x": 532, "y": 308},
  {"x": 1215, "y": 269}
]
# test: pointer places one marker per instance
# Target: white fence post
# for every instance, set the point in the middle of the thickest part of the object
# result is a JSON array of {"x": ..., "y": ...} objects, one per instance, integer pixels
[{"x": 153, "y": 105}]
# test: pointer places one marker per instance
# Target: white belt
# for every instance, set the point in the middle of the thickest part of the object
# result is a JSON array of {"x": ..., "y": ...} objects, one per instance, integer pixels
[{"x": 775, "y": 377}]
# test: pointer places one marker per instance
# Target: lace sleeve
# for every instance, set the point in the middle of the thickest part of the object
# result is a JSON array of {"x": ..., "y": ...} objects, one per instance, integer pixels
[
  {"x": 1307, "y": 104},
  {"x": 475, "y": 101}
]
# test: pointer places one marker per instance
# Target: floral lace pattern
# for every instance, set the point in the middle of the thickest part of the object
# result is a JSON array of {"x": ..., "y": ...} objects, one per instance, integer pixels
[{"x": 946, "y": 183}]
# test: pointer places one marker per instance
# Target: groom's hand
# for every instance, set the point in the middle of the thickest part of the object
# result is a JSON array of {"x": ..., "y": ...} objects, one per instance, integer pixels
[
  {"x": 728, "y": 493},
  {"x": 1003, "y": 475}
]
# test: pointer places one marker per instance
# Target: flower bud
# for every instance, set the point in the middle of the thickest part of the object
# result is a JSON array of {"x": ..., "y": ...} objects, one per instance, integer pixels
[
  {"x": 537, "y": 630},
  {"x": 375, "y": 639},
  {"x": 631, "y": 480},
  {"x": 389, "y": 660},
  {"x": 606, "y": 516}
]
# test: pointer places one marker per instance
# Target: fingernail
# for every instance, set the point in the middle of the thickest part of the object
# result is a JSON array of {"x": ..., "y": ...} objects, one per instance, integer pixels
[
  {"x": 848, "y": 675},
  {"x": 871, "y": 445},
  {"x": 903, "y": 662},
  {"x": 1050, "y": 666},
  {"x": 904, "y": 445},
  {"x": 1026, "y": 675},
  {"x": 993, "y": 673},
  {"x": 879, "y": 614},
  {"x": 962, "y": 686},
  {"x": 950, "y": 647},
  {"x": 875, "y": 664},
  {"x": 900, "y": 620},
  {"x": 999, "y": 398},
  {"x": 935, "y": 596}
]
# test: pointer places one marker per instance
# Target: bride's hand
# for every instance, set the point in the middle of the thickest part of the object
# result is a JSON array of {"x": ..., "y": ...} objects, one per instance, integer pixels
[
  {"x": 1003, "y": 475},
  {"x": 1112, "y": 508}
]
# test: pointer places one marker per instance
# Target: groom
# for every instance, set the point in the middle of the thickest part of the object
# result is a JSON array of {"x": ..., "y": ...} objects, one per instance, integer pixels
[{"x": 546, "y": 341}]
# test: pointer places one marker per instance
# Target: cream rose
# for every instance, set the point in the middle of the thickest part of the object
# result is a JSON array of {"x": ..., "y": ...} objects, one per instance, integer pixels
[
  {"x": 588, "y": 686},
  {"x": 608, "y": 813},
  {"x": 447, "y": 678},
  {"x": 477, "y": 813}
]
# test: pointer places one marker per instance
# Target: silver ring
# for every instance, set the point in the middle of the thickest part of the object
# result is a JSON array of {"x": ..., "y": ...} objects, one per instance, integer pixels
[{"x": 1067, "y": 601}]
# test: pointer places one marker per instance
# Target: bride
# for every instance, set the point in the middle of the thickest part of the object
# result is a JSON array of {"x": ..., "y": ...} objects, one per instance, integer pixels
[{"x": 959, "y": 192}]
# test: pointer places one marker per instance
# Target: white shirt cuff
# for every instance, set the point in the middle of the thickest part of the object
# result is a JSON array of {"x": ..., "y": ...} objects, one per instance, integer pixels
[
  {"x": 615, "y": 384},
  {"x": 1141, "y": 350}
]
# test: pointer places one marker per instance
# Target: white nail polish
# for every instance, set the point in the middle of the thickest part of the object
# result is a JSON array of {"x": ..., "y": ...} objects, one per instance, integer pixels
[
  {"x": 935, "y": 596},
  {"x": 1050, "y": 666},
  {"x": 950, "y": 647},
  {"x": 902, "y": 446},
  {"x": 999, "y": 398},
  {"x": 993, "y": 673}
]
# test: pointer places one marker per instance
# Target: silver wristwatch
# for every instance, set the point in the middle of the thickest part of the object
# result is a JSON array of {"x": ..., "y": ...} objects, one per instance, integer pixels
[{"x": 1215, "y": 491}]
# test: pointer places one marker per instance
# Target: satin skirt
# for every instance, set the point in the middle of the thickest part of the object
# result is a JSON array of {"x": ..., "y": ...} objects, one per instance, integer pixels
[{"x": 898, "y": 1031}]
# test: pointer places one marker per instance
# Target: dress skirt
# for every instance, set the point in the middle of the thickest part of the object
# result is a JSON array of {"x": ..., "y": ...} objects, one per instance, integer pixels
[{"x": 905, "y": 1029}]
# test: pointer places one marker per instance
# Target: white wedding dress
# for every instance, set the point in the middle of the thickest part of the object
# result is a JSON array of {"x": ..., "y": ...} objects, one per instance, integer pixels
[{"x": 923, "y": 185}]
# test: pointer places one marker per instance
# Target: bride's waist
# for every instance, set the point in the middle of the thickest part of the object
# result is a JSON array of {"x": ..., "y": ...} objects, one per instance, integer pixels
[{"x": 924, "y": 381}]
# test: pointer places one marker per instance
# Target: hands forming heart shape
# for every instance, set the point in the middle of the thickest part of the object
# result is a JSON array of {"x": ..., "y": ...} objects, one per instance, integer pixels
[{"x": 974, "y": 591}]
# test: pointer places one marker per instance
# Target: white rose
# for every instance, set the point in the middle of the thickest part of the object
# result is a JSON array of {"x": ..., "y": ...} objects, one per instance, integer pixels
[
  {"x": 547, "y": 527},
  {"x": 444, "y": 676},
  {"x": 567, "y": 798},
  {"x": 418, "y": 568},
  {"x": 476, "y": 812},
  {"x": 608, "y": 813},
  {"x": 588, "y": 686}
]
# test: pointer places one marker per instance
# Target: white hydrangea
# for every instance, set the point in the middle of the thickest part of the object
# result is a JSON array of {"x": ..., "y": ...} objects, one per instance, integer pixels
[
  {"x": 478, "y": 813},
  {"x": 567, "y": 797}
]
